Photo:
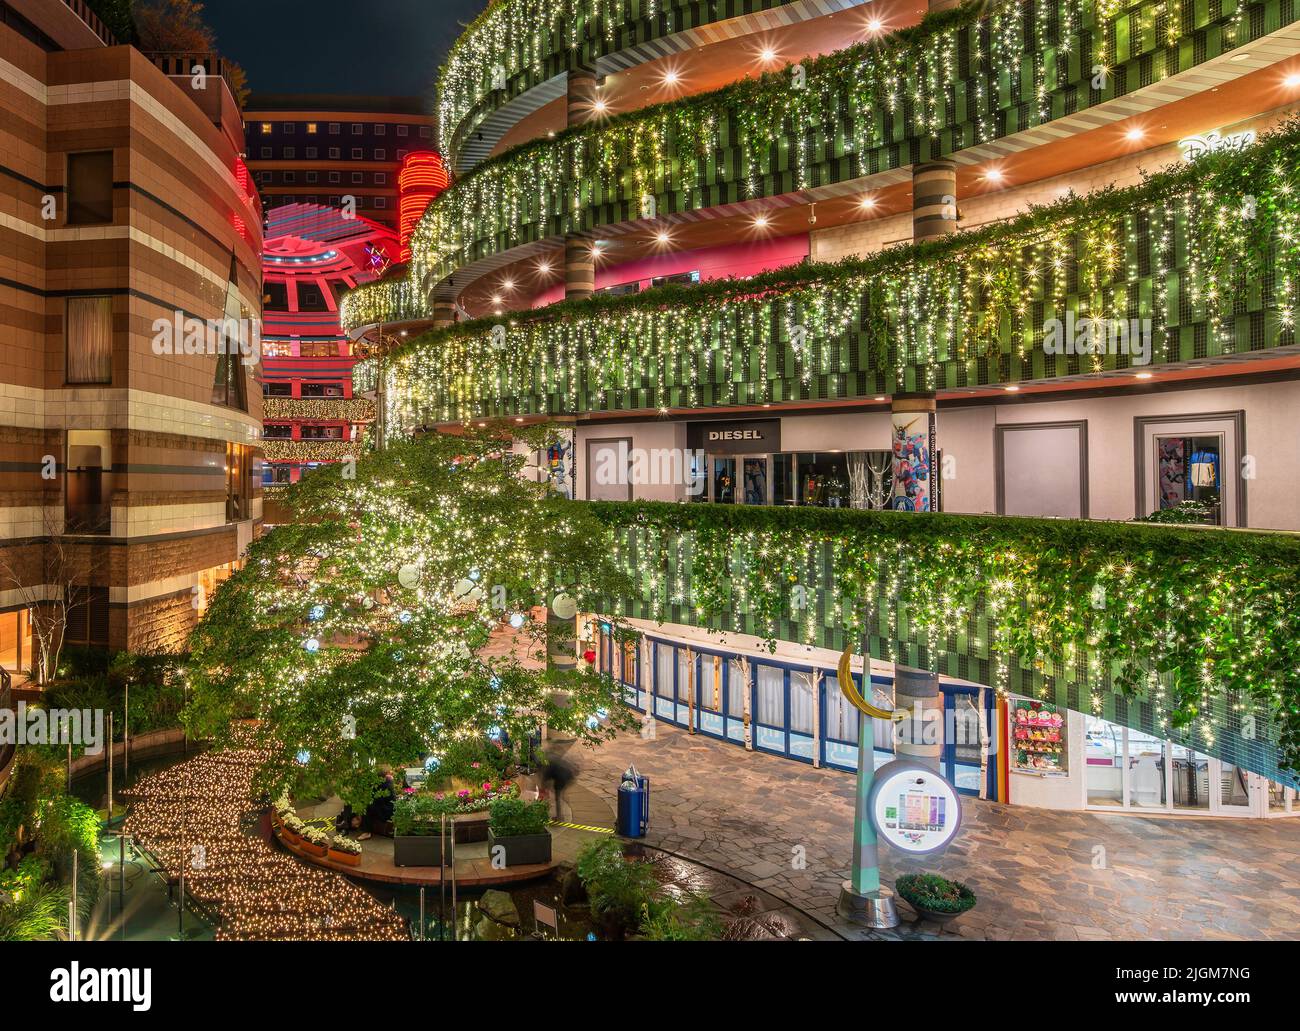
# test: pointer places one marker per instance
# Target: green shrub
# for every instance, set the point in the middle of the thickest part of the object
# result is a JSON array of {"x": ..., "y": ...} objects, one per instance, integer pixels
[
  {"x": 41, "y": 914},
  {"x": 619, "y": 891},
  {"x": 513, "y": 817},
  {"x": 690, "y": 919},
  {"x": 935, "y": 893}
]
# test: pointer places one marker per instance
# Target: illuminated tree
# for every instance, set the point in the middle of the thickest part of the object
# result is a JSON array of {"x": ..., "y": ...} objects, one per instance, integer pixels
[{"x": 353, "y": 635}]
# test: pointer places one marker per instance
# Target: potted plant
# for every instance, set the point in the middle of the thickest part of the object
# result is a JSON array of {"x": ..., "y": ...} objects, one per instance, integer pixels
[
  {"x": 315, "y": 842},
  {"x": 346, "y": 851},
  {"x": 291, "y": 830},
  {"x": 934, "y": 897},
  {"x": 418, "y": 831},
  {"x": 519, "y": 829}
]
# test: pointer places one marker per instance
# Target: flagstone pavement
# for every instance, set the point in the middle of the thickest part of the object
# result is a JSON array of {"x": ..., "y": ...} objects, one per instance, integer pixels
[{"x": 1039, "y": 874}]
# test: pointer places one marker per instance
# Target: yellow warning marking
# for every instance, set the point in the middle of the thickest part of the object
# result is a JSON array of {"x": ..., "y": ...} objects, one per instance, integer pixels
[{"x": 583, "y": 827}]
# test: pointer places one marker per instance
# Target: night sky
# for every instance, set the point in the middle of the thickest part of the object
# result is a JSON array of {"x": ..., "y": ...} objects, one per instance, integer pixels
[{"x": 379, "y": 47}]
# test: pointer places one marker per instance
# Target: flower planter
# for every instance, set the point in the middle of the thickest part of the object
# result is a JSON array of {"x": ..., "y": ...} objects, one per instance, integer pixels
[
  {"x": 522, "y": 849},
  {"x": 290, "y": 837},
  {"x": 310, "y": 849},
  {"x": 346, "y": 858},
  {"x": 470, "y": 827},
  {"x": 420, "y": 849},
  {"x": 933, "y": 914}
]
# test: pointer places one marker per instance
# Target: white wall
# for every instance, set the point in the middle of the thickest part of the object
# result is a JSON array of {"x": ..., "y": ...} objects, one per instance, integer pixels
[
  {"x": 1056, "y": 791},
  {"x": 647, "y": 435}
]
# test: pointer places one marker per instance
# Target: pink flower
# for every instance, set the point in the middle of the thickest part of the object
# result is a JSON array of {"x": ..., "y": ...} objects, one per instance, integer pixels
[
  {"x": 474, "y": 766},
  {"x": 463, "y": 793},
  {"x": 487, "y": 785}
]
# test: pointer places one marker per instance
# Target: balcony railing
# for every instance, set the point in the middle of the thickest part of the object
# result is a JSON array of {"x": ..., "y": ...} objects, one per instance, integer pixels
[
  {"x": 1176, "y": 632},
  {"x": 353, "y": 409},
  {"x": 84, "y": 11},
  {"x": 1201, "y": 262},
  {"x": 312, "y": 450}
]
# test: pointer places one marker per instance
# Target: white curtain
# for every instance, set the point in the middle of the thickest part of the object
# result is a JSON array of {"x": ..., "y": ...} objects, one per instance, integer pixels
[
  {"x": 664, "y": 670},
  {"x": 841, "y": 717},
  {"x": 683, "y": 672},
  {"x": 801, "y": 703},
  {"x": 90, "y": 339},
  {"x": 771, "y": 696},
  {"x": 737, "y": 685}
]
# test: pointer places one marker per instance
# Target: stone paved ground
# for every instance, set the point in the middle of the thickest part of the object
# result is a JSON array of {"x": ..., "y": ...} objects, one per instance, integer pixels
[{"x": 1039, "y": 874}]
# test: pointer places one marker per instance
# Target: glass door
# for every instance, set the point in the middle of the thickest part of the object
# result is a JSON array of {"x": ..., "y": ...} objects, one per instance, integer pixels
[
  {"x": 722, "y": 480},
  {"x": 1236, "y": 789}
]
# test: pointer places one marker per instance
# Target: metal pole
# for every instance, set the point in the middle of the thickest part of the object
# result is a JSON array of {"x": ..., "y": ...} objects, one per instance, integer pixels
[
  {"x": 454, "y": 931},
  {"x": 442, "y": 880},
  {"x": 421, "y": 938},
  {"x": 181, "y": 895},
  {"x": 109, "y": 821},
  {"x": 126, "y": 734},
  {"x": 866, "y": 856},
  {"x": 121, "y": 879},
  {"x": 72, "y": 903}
]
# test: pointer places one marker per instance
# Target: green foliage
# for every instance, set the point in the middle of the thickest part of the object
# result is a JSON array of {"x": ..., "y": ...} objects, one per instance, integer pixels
[
  {"x": 41, "y": 914},
  {"x": 1185, "y": 513},
  {"x": 473, "y": 759},
  {"x": 421, "y": 814},
  {"x": 513, "y": 817},
  {"x": 692, "y": 918},
  {"x": 935, "y": 893},
  {"x": 902, "y": 318},
  {"x": 619, "y": 890},
  {"x": 95, "y": 680},
  {"x": 116, "y": 14},
  {"x": 399, "y": 671},
  {"x": 1201, "y": 623}
]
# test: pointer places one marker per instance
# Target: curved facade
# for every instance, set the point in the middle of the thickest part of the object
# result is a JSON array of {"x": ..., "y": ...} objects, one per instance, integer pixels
[
  {"x": 1017, "y": 260},
  {"x": 129, "y": 408}
]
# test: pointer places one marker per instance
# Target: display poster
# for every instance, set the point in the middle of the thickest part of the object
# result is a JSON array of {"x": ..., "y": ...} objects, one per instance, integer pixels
[
  {"x": 913, "y": 808},
  {"x": 1039, "y": 738}
]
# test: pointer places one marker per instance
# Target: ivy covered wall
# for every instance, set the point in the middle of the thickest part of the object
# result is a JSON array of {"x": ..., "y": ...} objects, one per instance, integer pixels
[
  {"x": 1183, "y": 633},
  {"x": 1205, "y": 257}
]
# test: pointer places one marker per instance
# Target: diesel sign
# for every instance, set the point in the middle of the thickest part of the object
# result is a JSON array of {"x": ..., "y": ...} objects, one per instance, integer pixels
[{"x": 736, "y": 438}]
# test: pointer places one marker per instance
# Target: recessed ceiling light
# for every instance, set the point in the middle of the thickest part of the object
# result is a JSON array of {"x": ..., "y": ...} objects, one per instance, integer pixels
[
  {"x": 995, "y": 175},
  {"x": 599, "y": 107},
  {"x": 1292, "y": 81},
  {"x": 760, "y": 222},
  {"x": 875, "y": 25},
  {"x": 767, "y": 55},
  {"x": 496, "y": 298},
  {"x": 671, "y": 78},
  {"x": 1238, "y": 57},
  {"x": 867, "y": 203},
  {"x": 1011, "y": 388},
  {"x": 1143, "y": 375},
  {"x": 508, "y": 284},
  {"x": 1134, "y": 133}
]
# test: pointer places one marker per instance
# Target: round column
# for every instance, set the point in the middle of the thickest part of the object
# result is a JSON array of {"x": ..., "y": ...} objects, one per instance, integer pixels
[
  {"x": 579, "y": 268},
  {"x": 934, "y": 200}
]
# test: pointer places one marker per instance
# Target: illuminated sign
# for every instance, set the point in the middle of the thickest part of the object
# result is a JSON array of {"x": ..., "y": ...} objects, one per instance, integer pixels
[
  {"x": 1194, "y": 147},
  {"x": 913, "y": 808}
]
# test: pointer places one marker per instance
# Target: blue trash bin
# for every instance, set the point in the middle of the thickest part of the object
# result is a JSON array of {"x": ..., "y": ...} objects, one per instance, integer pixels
[{"x": 633, "y": 805}]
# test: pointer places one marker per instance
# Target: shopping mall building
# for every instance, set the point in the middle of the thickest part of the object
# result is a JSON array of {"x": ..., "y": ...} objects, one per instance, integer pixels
[
  {"x": 130, "y": 480},
  {"x": 773, "y": 260}
]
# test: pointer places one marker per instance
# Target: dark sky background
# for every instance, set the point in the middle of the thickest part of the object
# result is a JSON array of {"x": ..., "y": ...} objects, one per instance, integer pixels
[{"x": 383, "y": 47}]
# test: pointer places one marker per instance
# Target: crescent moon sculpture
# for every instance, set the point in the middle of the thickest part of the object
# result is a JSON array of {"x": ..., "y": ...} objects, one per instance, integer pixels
[{"x": 845, "y": 678}]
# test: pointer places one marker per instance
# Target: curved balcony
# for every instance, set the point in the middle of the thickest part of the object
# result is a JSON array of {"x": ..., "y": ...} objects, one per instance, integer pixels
[
  {"x": 1199, "y": 265},
  {"x": 353, "y": 409},
  {"x": 514, "y": 57},
  {"x": 1195, "y": 642},
  {"x": 965, "y": 85},
  {"x": 312, "y": 450}
]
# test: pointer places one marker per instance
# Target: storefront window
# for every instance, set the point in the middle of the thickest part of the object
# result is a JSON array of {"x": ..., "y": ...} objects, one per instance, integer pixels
[
  {"x": 1191, "y": 469},
  {"x": 822, "y": 478},
  {"x": 755, "y": 481},
  {"x": 782, "y": 480},
  {"x": 1104, "y": 746},
  {"x": 724, "y": 480},
  {"x": 1146, "y": 771},
  {"x": 771, "y": 696},
  {"x": 1191, "y": 779}
]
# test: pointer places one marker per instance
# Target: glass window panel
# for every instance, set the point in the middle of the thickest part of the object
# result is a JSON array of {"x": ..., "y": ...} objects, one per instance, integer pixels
[
  {"x": 1104, "y": 751},
  {"x": 1148, "y": 786},
  {"x": 801, "y": 703},
  {"x": 755, "y": 482},
  {"x": 664, "y": 670},
  {"x": 1190, "y": 775},
  {"x": 1234, "y": 787},
  {"x": 684, "y": 672},
  {"x": 724, "y": 480},
  {"x": 771, "y": 696},
  {"x": 736, "y": 688}
]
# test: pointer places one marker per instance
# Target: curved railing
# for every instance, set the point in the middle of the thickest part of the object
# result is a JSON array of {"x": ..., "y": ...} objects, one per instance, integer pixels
[
  {"x": 1182, "y": 633},
  {"x": 515, "y": 46},
  {"x": 958, "y": 80},
  {"x": 1198, "y": 262},
  {"x": 354, "y": 409}
]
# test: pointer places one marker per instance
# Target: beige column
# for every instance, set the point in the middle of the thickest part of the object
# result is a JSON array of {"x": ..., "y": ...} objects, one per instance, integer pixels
[
  {"x": 444, "y": 313},
  {"x": 579, "y": 263},
  {"x": 582, "y": 96},
  {"x": 934, "y": 200}
]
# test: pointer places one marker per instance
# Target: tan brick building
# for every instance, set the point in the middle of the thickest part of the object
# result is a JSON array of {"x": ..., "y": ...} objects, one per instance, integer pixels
[{"x": 124, "y": 205}]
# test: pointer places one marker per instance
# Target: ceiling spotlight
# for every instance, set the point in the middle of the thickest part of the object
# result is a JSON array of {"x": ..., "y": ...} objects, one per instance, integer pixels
[
  {"x": 1134, "y": 134},
  {"x": 599, "y": 107},
  {"x": 662, "y": 237},
  {"x": 544, "y": 268},
  {"x": 1292, "y": 81},
  {"x": 995, "y": 175},
  {"x": 767, "y": 55},
  {"x": 671, "y": 78},
  {"x": 867, "y": 203},
  {"x": 1143, "y": 375},
  {"x": 760, "y": 222},
  {"x": 1011, "y": 389},
  {"x": 875, "y": 25},
  {"x": 508, "y": 284},
  {"x": 496, "y": 298}
]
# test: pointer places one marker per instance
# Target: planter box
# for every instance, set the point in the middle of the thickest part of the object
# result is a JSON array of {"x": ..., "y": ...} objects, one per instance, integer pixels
[
  {"x": 522, "y": 849},
  {"x": 312, "y": 850},
  {"x": 420, "y": 849},
  {"x": 470, "y": 827},
  {"x": 347, "y": 858}
]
